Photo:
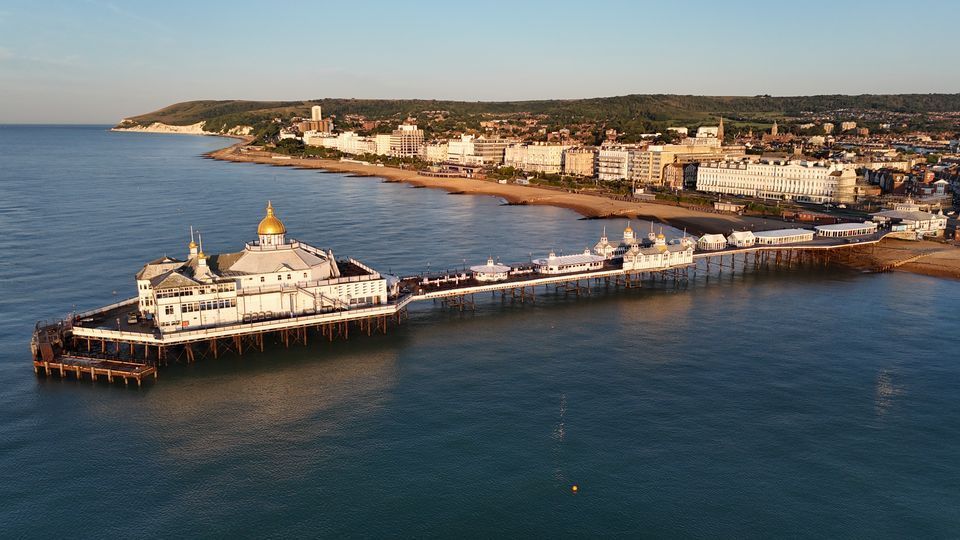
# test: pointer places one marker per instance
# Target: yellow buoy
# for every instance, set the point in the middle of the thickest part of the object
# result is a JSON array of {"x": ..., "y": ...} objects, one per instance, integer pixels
[{"x": 575, "y": 488}]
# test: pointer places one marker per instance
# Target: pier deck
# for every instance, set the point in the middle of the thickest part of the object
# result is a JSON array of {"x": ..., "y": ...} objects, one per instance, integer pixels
[
  {"x": 101, "y": 343},
  {"x": 95, "y": 367}
]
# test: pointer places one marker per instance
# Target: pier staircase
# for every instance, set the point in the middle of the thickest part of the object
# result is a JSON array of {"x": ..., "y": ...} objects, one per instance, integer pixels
[{"x": 321, "y": 300}]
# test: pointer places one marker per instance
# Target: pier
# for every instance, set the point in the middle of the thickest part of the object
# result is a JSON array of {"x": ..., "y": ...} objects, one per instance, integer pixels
[
  {"x": 284, "y": 292},
  {"x": 100, "y": 345}
]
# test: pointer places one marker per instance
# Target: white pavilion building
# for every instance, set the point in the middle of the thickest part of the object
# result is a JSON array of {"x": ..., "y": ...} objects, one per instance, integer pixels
[
  {"x": 491, "y": 271},
  {"x": 660, "y": 255},
  {"x": 272, "y": 277}
]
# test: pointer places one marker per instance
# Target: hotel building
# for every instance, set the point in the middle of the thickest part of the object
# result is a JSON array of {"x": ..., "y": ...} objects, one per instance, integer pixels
[
  {"x": 406, "y": 140},
  {"x": 779, "y": 179},
  {"x": 537, "y": 157}
]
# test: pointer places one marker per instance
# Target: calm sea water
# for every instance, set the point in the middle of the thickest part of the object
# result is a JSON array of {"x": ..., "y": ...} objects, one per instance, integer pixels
[{"x": 819, "y": 403}]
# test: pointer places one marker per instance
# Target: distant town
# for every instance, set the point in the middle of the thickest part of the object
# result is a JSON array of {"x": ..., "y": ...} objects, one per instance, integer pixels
[{"x": 814, "y": 170}]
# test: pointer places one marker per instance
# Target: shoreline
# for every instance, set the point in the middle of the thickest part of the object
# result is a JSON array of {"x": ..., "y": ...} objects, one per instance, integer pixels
[
  {"x": 589, "y": 206},
  {"x": 938, "y": 259}
]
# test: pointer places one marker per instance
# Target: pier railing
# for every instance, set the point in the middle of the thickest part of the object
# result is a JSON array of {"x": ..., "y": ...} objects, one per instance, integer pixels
[{"x": 104, "y": 309}]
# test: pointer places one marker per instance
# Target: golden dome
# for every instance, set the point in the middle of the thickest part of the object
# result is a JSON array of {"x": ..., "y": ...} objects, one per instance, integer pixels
[
  {"x": 271, "y": 224},
  {"x": 192, "y": 245}
]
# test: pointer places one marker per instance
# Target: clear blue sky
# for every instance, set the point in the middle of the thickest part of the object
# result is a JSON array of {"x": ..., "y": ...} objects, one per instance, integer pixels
[{"x": 98, "y": 60}]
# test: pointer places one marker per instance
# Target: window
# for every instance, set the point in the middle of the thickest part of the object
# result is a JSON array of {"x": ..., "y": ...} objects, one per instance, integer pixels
[
  {"x": 168, "y": 310},
  {"x": 262, "y": 279}
]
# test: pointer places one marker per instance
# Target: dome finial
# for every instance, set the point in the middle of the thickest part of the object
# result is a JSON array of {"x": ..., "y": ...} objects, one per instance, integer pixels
[{"x": 271, "y": 224}]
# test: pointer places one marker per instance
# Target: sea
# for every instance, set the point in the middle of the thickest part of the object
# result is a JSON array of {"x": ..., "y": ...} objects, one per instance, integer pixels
[{"x": 804, "y": 403}]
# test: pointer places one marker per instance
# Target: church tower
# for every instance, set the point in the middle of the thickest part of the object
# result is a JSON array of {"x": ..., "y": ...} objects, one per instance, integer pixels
[
  {"x": 720, "y": 130},
  {"x": 774, "y": 130},
  {"x": 271, "y": 230}
]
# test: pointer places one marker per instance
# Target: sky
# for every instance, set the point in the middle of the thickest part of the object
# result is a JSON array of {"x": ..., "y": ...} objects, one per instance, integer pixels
[{"x": 98, "y": 61}]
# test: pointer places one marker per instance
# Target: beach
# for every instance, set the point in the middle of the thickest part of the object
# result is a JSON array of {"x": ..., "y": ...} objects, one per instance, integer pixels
[
  {"x": 590, "y": 206},
  {"x": 935, "y": 258}
]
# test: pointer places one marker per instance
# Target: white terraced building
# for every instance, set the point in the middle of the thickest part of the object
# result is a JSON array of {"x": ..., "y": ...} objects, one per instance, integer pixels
[
  {"x": 536, "y": 157},
  {"x": 270, "y": 278},
  {"x": 779, "y": 179}
]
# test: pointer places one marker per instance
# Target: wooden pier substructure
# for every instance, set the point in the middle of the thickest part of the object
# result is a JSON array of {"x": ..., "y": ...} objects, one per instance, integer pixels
[
  {"x": 521, "y": 294},
  {"x": 131, "y": 361},
  {"x": 629, "y": 280},
  {"x": 574, "y": 287},
  {"x": 461, "y": 302},
  {"x": 80, "y": 366}
]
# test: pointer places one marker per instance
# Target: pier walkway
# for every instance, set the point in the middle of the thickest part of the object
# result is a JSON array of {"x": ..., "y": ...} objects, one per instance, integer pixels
[{"x": 101, "y": 343}]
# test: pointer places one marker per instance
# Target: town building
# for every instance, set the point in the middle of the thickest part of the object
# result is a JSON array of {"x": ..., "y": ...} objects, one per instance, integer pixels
[
  {"x": 923, "y": 223},
  {"x": 434, "y": 152},
  {"x": 406, "y": 140},
  {"x": 271, "y": 277},
  {"x": 489, "y": 151},
  {"x": 536, "y": 157},
  {"x": 779, "y": 179},
  {"x": 580, "y": 161},
  {"x": 847, "y": 126},
  {"x": 317, "y": 122},
  {"x": 382, "y": 142},
  {"x": 613, "y": 162},
  {"x": 471, "y": 150},
  {"x": 649, "y": 166}
]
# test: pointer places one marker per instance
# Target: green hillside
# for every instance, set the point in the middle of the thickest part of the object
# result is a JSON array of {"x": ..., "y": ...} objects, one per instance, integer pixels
[{"x": 626, "y": 112}]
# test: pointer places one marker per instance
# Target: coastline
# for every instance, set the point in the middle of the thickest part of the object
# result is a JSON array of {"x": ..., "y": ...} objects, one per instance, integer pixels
[
  {"x": 938, "y": 259},
  {"x": 587, "y": 205}
]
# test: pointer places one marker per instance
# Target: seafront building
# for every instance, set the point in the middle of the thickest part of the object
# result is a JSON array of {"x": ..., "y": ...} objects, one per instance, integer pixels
[
  {"x": 406, "y": 140},
  {"x": 580, "y": 161},
  {"x": 471, "y": 150},
  {"x": 649, "y": 166},
  {"x": 434, "y": 152},
  {"x": 923, "y": 223},
  {"x": 779, "y": 179},
  {"x": 536, "y": 157},
  {"x": 613, "y": 162},
  {"x": 272, "y": 276}
]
